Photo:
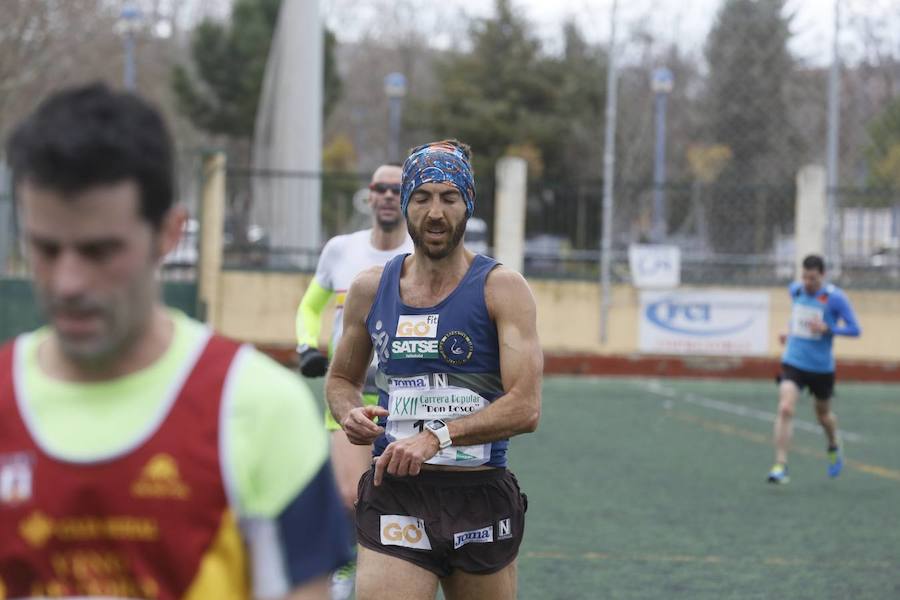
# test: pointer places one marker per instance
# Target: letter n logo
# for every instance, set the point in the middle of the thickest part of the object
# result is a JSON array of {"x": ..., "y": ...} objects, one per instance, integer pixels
[{"x": 504, "y": 529}]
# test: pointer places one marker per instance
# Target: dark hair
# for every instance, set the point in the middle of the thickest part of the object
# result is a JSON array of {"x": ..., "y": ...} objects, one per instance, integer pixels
[
  {"x": 461, "y": 146},
  {"x": 814, "y": 261},
  {"x": 90, "y": 135}
]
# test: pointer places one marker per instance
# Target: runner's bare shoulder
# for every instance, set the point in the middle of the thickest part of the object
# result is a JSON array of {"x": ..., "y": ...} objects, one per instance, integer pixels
[
  {"x": 365, "y": 286},
  {"x": 506, "y": 288}
]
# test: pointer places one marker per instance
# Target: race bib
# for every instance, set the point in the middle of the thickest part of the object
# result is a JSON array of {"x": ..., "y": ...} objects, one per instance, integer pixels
[
  {"x": 410, "y": 409},
  {"x": 801, "y": 319}
]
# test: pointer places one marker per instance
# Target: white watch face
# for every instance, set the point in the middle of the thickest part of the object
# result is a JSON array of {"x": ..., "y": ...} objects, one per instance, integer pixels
[{"x": 439, "y": 429}]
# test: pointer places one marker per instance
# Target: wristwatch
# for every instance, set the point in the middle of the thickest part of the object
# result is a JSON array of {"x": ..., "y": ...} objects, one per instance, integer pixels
[{"x": 440, "y": 431}]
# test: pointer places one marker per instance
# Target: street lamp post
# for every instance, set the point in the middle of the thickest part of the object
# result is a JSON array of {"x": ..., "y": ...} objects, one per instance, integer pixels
[
  {"x": 129, "y": 20},
  {"x": 661, "y": 83},
  {"x": 609, "y": 171},
  {"x": 395, "y": 90},
  {"x": 833, "y": 245}
]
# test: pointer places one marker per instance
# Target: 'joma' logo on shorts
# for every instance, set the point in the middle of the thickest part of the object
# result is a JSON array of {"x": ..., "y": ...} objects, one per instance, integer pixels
[
  {"x": 476, "y": 536},
  {"x": 420, "y": 382}
]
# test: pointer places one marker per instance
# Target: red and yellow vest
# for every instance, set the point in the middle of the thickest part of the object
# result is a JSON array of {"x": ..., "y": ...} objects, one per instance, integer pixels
[{"x": 151, "y": 523}]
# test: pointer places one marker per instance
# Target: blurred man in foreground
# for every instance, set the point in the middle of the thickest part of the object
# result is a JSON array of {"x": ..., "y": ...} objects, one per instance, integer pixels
[{"x": 141, "y": 455}]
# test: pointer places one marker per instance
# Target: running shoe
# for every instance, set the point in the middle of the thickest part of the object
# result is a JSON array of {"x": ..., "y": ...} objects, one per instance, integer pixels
[
  {"x": 341, "y": 587},
  {"x": 835, "y": 461},
  {"x": 779, "y": 474}
]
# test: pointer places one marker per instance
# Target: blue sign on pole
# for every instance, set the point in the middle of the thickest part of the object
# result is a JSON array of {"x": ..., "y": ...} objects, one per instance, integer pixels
[
  {"x": 661, "y": 84},
  {"x": 662, "y": 80},
  {"x": 129, "y": 18},
  {"x": 395, "y": 85},
  {"x": 395, "y": 89}
]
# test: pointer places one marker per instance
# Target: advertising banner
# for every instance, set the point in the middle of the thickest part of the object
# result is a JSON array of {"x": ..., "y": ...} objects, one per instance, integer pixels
[
  {"x": 708, "y": 322},
  {"x": 654, "y": 266}
]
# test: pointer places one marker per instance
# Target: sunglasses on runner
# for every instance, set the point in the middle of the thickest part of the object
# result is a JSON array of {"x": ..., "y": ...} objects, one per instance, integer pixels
[{"x": 383, "y": 188}]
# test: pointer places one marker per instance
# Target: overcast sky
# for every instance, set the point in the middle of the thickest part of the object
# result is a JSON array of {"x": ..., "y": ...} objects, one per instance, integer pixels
[{"x": 684, "y": 21}]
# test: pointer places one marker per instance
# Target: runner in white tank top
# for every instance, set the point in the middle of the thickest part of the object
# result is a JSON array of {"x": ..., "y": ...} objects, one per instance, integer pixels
[{"x": 342, "y": 259}]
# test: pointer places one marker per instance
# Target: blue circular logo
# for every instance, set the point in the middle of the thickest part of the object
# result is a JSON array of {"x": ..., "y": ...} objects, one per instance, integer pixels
[{"x": 456, "y": 347}]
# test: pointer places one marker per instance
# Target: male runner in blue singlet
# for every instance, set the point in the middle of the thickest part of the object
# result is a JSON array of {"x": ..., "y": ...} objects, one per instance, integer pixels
[
  {"x": 808, "y": 361},
  {"x": 459, "y": 373}
]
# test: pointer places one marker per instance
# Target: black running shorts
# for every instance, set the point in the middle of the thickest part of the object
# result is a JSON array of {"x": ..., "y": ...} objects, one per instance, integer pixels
[
  {"x": 444, "y": 520},
  {"x": 821, "y": 385}
]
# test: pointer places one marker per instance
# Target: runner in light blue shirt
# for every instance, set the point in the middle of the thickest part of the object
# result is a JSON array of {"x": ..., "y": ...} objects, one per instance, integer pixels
[{"x": 819, "y": 312}]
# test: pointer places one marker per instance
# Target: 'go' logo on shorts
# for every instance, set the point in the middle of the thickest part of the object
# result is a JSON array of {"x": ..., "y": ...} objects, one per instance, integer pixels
[{"x": 401, "y": 530}]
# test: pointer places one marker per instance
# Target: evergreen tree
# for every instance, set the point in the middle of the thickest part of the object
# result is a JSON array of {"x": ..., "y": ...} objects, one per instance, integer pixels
[
  {"x": 230, "y": 64},
  {"x": 883, "y": 153},
  {"x": 496, "y": 95},
  {"x": 750, "y": 68},
  {"x": 504, "y": 96}
]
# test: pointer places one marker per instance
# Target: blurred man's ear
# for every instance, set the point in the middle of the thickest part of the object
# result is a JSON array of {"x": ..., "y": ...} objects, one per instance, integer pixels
[{"x": 170, "y": 230}]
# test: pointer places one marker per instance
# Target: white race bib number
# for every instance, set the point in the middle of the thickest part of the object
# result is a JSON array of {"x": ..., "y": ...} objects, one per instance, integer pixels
[
  {"x": 802, "y": 317},
  {"x": 410, "y": 409}
]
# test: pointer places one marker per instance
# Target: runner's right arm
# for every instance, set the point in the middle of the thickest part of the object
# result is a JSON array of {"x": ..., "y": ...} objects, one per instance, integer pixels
[
  {"x": 314, "y": 362},
  {"x": 309, "y": 314},
  {"x": 793, "y": 290},
  {"x": 347, "y": 376}
]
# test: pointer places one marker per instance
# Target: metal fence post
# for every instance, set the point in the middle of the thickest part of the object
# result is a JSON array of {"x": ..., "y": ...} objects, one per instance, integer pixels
[
  {"x": 609, "y": 164},
  {"x": 6, "y": 215},
  {"x": 834, "y": 245},
  {"x": 212, "y": 225},
  {"x": 661, "y": 84}
]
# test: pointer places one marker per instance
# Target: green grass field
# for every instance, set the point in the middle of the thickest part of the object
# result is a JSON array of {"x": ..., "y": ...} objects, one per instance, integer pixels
[
  {"x": 656, "y": 489},
  {"x": 642, "y": 489}
]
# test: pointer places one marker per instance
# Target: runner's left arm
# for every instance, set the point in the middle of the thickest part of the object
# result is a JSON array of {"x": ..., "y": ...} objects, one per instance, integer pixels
[
  {"x": 294, "y": 526},
  {"x": 841, "y": 305},
  {"x": 512, "y": 306}
]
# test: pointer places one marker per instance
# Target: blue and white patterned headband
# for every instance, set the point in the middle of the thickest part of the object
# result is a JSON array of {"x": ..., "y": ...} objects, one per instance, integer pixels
[{"x": 438, "y": 163}]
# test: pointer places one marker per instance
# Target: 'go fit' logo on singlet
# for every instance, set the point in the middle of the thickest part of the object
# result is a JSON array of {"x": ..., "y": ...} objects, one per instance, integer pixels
[
  {"x": 417, "y": 326},
  {"x": 416, "y": 337}
]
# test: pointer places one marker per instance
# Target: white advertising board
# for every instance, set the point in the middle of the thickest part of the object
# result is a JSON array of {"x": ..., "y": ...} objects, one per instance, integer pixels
[
  {"x": 654, "y": 266},
  {"x": 705, "y": 322}
]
